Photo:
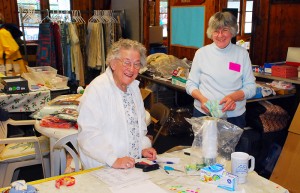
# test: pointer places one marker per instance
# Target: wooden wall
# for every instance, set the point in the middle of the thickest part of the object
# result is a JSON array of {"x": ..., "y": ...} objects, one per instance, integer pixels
[
  {"x": 9, "y": 10},
  {"x": 276, "y": 27}
]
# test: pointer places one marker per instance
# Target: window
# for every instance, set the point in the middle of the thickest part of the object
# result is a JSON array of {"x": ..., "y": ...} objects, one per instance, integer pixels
[
  {"x": 30, "y": 18},
  {"x": 245, "y": 9},
  {"x": 29, "y": 10},
  {"x": 163, "y": 16}
]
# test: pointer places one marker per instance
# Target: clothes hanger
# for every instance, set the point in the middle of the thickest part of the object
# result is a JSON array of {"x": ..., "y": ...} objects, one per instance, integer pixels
[
  {"x": 74, "y": 16},
  {"x": 114, "y": 20},
  {"x": 30, "y": 16},
  {"x": 47, "y": 17},
  {"x": 94, "y": 18}
]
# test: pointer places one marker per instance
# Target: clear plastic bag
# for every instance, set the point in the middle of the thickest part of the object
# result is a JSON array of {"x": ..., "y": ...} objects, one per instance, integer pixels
[
  {"x": 227, "y": 135},
  {"x": 163, "y": 65},
  {"x": 70, "y": 99}
]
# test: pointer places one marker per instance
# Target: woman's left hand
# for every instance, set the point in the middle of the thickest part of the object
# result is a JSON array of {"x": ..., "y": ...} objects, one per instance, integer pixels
[
  {"x": 149, "y": 153},
  {"x": 229, "y": 104}
]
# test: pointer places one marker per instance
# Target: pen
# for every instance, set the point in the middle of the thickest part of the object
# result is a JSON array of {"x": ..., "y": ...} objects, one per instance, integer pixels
[{"x": 167, "y": 162}]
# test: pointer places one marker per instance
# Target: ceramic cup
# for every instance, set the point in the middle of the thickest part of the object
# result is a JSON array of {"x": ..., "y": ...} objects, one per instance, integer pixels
[{"x": 240, "y": 165}]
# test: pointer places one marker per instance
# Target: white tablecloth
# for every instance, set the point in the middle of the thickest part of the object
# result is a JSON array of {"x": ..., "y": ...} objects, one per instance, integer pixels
[{"x": 86, "y": 182}]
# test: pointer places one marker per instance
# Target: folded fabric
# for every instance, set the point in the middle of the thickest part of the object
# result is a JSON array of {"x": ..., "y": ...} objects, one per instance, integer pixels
[{"x": 215, "y": 109}]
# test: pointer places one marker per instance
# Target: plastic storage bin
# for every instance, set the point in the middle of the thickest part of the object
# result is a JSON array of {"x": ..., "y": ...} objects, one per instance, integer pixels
[
  {"x": 59, "y": 81},
  {"x": 46, "y": 71}
]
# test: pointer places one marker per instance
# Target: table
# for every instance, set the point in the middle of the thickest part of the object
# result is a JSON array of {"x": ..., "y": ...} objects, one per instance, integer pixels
[
  {"x": 55, "y": 134},
  {"x": 25, "y": 102},
  {"x": 87, "y": 182},
  {"x": 181, "y": 89}
]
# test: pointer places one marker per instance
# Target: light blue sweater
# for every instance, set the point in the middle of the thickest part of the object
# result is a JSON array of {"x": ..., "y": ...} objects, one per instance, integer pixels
[{"x": 219, "y": 72}]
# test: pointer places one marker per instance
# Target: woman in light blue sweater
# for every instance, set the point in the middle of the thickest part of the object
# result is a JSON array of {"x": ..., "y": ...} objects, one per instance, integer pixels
[{"x": 222, "y": 72}]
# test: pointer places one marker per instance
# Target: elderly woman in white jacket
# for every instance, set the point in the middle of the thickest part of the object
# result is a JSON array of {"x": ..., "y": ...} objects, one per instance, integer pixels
[{"x": 112, "y": 127}]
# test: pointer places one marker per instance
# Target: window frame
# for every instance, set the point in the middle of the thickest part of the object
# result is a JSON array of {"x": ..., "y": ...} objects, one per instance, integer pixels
[
  {"x": 243, "y": 35},
  {"x": 44, "y": 10},
  {"x": 164, "y": 13}
]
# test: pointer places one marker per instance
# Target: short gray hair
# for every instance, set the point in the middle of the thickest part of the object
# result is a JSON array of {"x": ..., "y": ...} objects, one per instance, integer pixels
[
  {"x": 220, "y": 20},
  {"x": 114, "y": 51}
]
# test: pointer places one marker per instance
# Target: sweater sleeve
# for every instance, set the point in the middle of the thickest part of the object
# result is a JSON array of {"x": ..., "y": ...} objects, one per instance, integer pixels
[
  {"x": 193, "y": 81},
  {"x": 92, "y": 128},
  {"x": 249, "y": 86}
]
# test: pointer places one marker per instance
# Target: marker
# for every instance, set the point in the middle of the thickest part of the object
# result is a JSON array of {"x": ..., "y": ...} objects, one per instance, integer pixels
[{"x": 187, "y": 153}]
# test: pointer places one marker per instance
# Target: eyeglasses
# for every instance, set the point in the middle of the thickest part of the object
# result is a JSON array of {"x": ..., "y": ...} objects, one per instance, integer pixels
[
  {"x": 127, "y": 63},
  {"x": 223, "y": 31}
]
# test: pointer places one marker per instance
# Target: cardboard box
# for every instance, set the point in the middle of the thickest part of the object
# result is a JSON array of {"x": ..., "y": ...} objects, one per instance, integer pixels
[
  {"x": 268, "y": 66},
  {"x": 293, "y": 57},
  {"x": 14, "y": 85},
  {"x": 179, "y": 81},
  {"x": 217, "y": 175},
  {"x": 284, "y": 71},
  {"x": 287, "y": 171}
]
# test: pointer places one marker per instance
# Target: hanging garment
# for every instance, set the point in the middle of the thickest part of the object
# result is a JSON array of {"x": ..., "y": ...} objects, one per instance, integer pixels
[
  {"x": 76, "y": 55},
  {"x": 11, "y": 61},
  {"x": 95, "y": 46},
  {"x": 66, "y": 51},
  {"x": 81, "y": 29},
  {"x": 109, "y": 32},
  {"x": 46, "y": 49},
  {"x": 58, "y": 48}
]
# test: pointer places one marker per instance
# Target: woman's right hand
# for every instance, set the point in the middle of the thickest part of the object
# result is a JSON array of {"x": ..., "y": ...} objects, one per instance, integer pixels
[
  {"x": 124, "y": 163},
  {"x": 204, "y": 108},
  {"x": 196, "y": 94}
]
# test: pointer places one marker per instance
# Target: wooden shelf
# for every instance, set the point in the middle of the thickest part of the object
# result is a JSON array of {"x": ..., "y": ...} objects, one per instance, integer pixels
[{"x": 294, "y": 80}]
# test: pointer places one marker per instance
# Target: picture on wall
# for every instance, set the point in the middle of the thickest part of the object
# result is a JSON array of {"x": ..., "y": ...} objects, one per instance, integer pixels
[{"x": 187, "y": 26}]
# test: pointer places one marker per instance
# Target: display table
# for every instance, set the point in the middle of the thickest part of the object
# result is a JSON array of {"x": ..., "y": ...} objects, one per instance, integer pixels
[
  {"x": 159, "y": 179},
  {"x": 56, "y": 133},
  {"x": 181, "y": 89},
  {"x": 24, "y": 102}
]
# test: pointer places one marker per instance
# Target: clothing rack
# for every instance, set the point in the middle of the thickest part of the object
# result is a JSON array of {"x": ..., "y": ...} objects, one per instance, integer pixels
[{"x": 21, "y": 12}]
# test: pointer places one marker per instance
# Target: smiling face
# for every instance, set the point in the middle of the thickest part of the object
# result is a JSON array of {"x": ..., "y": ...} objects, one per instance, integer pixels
[
  {"x": 222, "y": 37},
  {"x": 126, "y": 68}
]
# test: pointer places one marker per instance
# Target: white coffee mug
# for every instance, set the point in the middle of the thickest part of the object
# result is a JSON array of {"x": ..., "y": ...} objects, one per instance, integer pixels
[{"x": 240, "y": 165}]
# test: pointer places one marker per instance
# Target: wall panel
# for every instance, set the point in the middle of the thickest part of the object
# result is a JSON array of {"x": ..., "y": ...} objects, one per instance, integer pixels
[{"x": 275, "y": 28}]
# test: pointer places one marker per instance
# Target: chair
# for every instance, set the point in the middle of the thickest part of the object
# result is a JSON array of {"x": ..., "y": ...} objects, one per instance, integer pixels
[
  {"x": 64, "y": 145},
  {"x": 161, "y": 113},
  {"x": 17, "y": 152}
]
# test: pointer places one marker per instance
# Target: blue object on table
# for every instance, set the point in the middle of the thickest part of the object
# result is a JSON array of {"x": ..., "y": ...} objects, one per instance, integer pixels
[
  {"x": 258, "y": 93},
  {"x": 169, "y": 168}
]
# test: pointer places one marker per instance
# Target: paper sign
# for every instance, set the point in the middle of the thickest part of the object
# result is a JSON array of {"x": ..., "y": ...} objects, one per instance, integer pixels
[{"x": 234, "y": 66}]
